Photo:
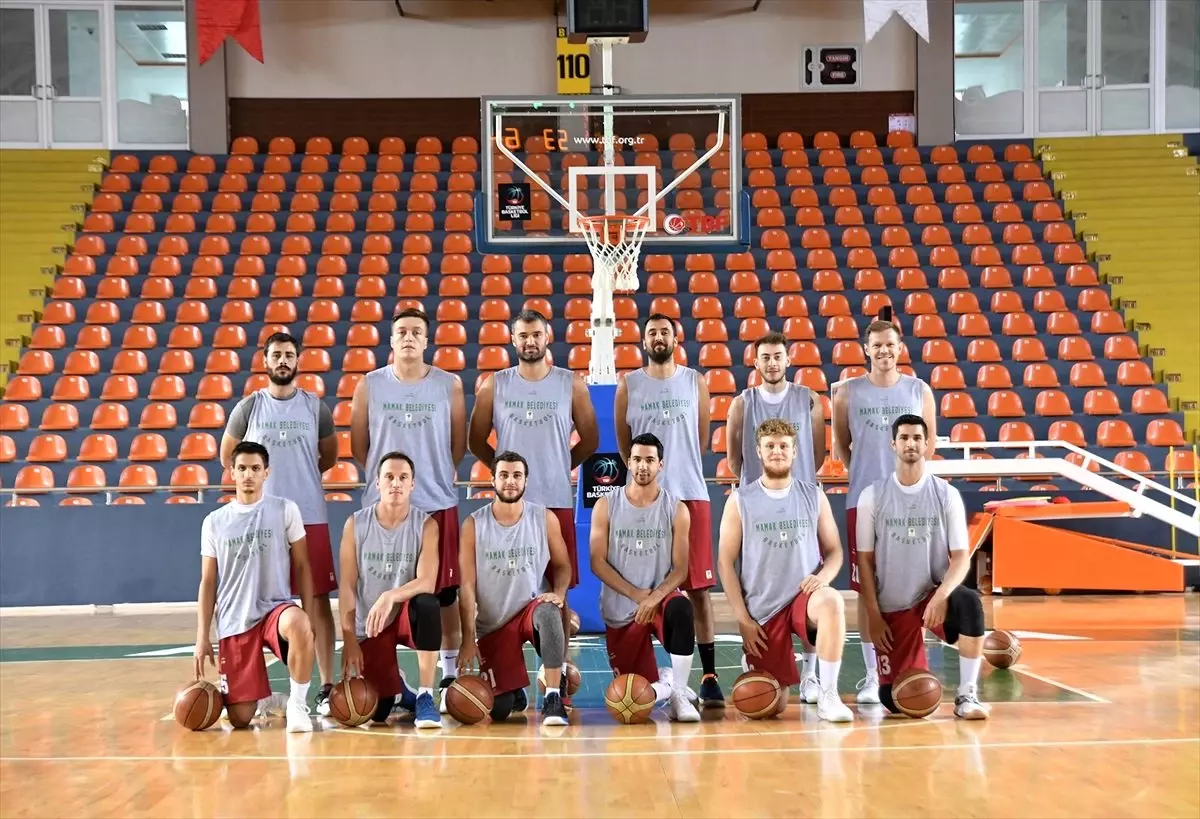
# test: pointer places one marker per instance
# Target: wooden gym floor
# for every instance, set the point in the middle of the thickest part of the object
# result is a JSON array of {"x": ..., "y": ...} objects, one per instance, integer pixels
[{"x": 1100, "y": 718}]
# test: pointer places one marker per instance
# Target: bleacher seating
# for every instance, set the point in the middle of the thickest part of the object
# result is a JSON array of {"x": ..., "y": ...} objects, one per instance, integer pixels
[{"x": 186, "y": 263}]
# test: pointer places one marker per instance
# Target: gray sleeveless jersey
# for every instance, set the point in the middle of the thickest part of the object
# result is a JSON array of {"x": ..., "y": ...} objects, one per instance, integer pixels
[
  {"x": 779, "y": 545},
  {"x": 252, "y": 548},
  {"x": 413, "y": 419},
  {"x": 669, "y": 408},
  {"x": 387, "y": 558},
  {"x": 510, "y": 565},
  {"x": 871, "y": 413},
  {"x": 796, "y": 409},
  {"x": 533, "y": 419},
  {"x": 289, "y": 431},
  {"x": 912, "y": 547},
  {"x": 639, "y": 548}
]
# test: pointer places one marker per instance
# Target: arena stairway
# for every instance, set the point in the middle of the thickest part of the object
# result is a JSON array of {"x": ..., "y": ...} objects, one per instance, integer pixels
[
  {"x": 43, "y": 198},
  {"x": 1136, "y": 201}
]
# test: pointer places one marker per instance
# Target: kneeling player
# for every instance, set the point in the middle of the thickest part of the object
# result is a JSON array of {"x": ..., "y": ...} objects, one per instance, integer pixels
[
  {"x": 639, "y": 545},
  {"x": 389, "y": 558},
  {"x": 250, "y": 548},
  {"x": 506, "y": 549},
  {"x": 782, "y": 530},
  {"x": 912, "y": 555}
]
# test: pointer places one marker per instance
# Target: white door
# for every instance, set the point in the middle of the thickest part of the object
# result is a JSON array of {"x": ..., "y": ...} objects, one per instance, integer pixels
[{"x": 51, "y": 76}]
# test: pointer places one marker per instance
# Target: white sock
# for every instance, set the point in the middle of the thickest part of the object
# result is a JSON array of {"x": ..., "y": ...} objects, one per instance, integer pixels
[
  {"x": 299, "y": 693},
  {"x": 681, "y": 669},
  {"x": 870, "y": 662},
  {"x": 968, "y": 673},
  {"x": 424, "y": 690},
  {"x": 449, "y": 662},
  {"x": 810, "y": 666},
  {"x": 829, "y": 670},
  {"x": 661, "y": 690}
]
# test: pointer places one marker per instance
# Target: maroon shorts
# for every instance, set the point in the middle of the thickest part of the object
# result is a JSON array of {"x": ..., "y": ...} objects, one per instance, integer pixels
[
  {"x": 630, "y": 650},
  {"x": 566, "y": 521},
  {"x": 501, "y": 654},
  {"x": 700, "y": 547},
  {"x": 779, "y": 658},
  {"x": 380, "y": 668},
  {"x": 240, "y": 658},
  {"x": 447, "y": 521},
  {"x": 320, "y": 559},
  {"x": 908, "y": 642},
  {"x": 852, "y": 547}
]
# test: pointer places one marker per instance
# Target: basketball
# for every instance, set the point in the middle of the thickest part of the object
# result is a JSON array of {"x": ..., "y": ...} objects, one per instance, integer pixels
[
  {"x": 1002, "y": 649},
  {"x": 352, "y": 702},
  {"x": 756, "y": 695},
  {"x": 469, "y": 699},
  {"x": 917, "y": 693},
  {"x": 574, "y": 679},
  {"x": 572, "y": 622},
  {"x": 630, "y": 699},
  {"x": 198, "y": 706},
  {"x": 782, "y": 703}
]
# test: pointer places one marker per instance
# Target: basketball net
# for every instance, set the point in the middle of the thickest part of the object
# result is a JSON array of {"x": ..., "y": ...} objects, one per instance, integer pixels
[{"x": 615, "y": 243}]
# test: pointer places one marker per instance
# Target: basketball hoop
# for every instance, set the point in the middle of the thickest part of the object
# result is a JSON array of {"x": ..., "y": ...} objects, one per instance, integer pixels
[{"x": 615, "y": 243}]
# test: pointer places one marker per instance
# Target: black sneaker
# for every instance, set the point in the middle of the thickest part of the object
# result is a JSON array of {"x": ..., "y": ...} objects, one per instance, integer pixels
[
  {"x": 520, "y": 701},
  {"x": 553, "y": 710},
  {"x": 562, "y": 692},
  {"x": 711, "y": 695},
  {"x": 443, "y": 686},
  {"x": 323, "y": 700}
]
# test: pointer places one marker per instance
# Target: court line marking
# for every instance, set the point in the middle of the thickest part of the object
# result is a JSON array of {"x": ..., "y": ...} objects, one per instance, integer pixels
[
  {"x": 960, "y": 746},
  {"x": 1024, "y": 670}
]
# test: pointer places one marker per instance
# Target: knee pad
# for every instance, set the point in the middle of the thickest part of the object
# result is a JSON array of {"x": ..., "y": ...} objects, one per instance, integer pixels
[
  {"x": 964, "y": 614},
  {"x": 383, "y": 709},
  {"x": 447, "y": 596},
  {"x": 425, "y": 617},
  {"x": 679, "y": 627},
  {"x": 502, "y": 706}
]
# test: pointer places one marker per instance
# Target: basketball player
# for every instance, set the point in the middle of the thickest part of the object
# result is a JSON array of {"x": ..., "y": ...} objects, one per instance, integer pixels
[
  {"x": 782, "y": 530},
  {"x": 913, "y": 554},
  {"x": 297, "y": 429},
  {"x": 413, "y": 407},
  {"x": 639, "y": 547},
  {"x": 507, "y": 549},
  {"x": 863, "y": 411},
  {"x": 389, "y": 560},
  {"x": 532, "y": 407},
  {"x": 775, "y": 397},
  {"x": 248, "y": 548},
  {"x": 670, "y": 401}
]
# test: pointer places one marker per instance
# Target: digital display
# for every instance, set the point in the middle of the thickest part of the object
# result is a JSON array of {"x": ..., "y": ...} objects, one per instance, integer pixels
[{"x": 600, "y": 18}]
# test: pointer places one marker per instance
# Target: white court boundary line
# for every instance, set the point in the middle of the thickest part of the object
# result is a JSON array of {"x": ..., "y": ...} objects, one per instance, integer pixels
[
  {"x": 1024, "y": 670},
  {"x": 960, "y": 746}
]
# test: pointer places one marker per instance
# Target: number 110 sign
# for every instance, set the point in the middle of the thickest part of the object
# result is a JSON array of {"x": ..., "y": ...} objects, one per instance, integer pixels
[{"x": 573, "y": 64}]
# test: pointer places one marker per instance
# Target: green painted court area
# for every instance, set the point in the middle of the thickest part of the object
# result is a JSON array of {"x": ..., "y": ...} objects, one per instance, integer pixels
[{"x": 589, "y": 655}]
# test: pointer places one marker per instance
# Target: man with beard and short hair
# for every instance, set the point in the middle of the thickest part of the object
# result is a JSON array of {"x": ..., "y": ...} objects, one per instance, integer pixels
[
  {"x": 780, "y": 550},
  {"x": 413, "y": 407},
  {"x": 515, "y": 573},
  {"x": 639, "y": 549},
  {"x": 796, "y": 404},
  {"x": 297, "y": 429},
  {"x": 670, "y": 401},
  {"x": 532, "y": 408},
  {"x": 863, "y": 411}
]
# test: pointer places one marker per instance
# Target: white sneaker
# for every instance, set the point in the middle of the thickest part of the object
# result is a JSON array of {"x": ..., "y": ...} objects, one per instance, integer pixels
[
  {"x": 681, "y": 709},
  {"x": 968, "y": 706},
  {"x": 299, "y": 720},
  {"x": 810, "y": 691},
  {"x": 272, "y": 706},
  {"x": 868, "y": 691},
  {"x": 831, "y": 708},
  {"x": 666, "y": 675}
]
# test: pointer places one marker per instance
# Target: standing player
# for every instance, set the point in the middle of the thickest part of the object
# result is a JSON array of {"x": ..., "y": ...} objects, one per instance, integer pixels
[
  {"x": 775, "y": 397},
  {"x": 913, "y": 555},
  {"x": 532, "y": 407},
  {"x": 297, "y": 429},
  {"x": 413, "y": 407},
  {"x": 671, "y": 402},
  {"x": 508, "y": 547},
  {"x": 639, "y": 549},
  {"x": 389, "y": 563},
  {"x": 863, "y": 411},
  {"x": 783, "y": 531},
  {"x": 248, "y": 547}
]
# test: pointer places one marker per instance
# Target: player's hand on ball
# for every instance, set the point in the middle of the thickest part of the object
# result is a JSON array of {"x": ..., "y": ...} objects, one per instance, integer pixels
[
  {"x": 552, "y": 598},
  {"x": 935, "y": 612},
  {"x": 352, "y": 659},
  {"x": 647, "y": 609},
  {"x": 881, "y": 634},
  {"x": 203, "y": 652},
  {"x": 811, "y": 584},
  {"x": 754, "y": 639},
  {"x": 377, "y": 618},
  {"x": 468, "y": 657}
]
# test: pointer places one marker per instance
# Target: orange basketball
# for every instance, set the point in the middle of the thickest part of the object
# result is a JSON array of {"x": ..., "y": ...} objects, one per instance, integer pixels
[
  {"x": 352, "y": 702},
  {"x": 1002, "y": 649},
  {"x": 917, "y": 693},
  {"x": 469, "y": 699},
  {"x": 574, "y": 679},
  {"x": 756, "y": 695},
  {"x": 782, "y": 703},
  {"x": 630, "y": 699},
  {"x": 198, "y": 706},
  {"x": 572, "y": 622}
]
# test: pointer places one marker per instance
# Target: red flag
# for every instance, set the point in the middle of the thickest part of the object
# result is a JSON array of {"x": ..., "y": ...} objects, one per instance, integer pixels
[{"x": 218, "y": 19}]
